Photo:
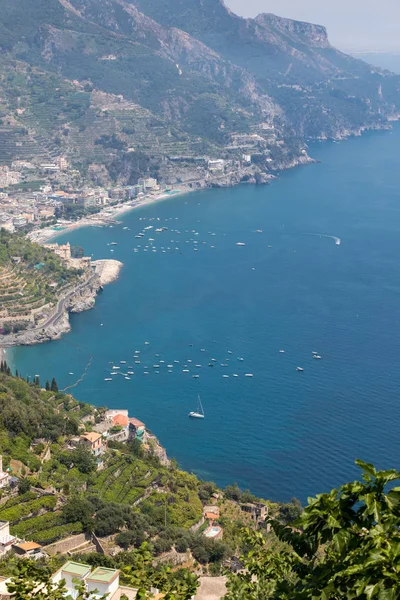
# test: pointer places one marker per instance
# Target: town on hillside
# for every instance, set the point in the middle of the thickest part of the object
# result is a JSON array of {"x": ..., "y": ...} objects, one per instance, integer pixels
[{"x": 85, "y": 490}]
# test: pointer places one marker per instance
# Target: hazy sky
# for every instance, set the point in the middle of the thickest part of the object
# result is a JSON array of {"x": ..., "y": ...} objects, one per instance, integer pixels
[{"x": 352, "y": 24}]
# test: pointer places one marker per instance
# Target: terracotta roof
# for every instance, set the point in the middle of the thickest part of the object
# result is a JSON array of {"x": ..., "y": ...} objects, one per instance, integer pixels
[
  {"x": 91, "y": 436},
  {"x": 28, "y": 546},
  {"x": 211, "y": 515},
  {"x": 121, "y": 420},
  {"x": 136, "y": 422}
]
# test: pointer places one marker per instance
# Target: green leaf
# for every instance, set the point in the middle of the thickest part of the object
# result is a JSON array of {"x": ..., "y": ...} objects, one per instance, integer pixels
[{"x": 367, "y": 467}]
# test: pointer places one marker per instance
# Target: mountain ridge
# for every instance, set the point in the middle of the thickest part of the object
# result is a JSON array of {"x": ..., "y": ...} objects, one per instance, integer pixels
[{"x": 202, "y": 79}]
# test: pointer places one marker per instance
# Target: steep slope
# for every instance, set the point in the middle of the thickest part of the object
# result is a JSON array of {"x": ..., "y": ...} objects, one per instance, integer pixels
[
  {"x": 179, "y": 78},
  {"x": 322, "y": 91}
]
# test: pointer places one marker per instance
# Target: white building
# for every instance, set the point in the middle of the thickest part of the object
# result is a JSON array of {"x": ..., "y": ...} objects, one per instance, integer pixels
[
  {"x": 4, "y": 475},
  {"x": 103, "y": 581},
  {"x": 148, "y": 184},
  {"x": 6, "y": 540},
  {"x": 216, "y": 165}
]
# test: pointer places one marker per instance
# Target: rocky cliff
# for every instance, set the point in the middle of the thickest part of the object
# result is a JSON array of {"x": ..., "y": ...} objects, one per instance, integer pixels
[
  {"x": 182, "y": 79},
  {"x": 55, "y": 323}
]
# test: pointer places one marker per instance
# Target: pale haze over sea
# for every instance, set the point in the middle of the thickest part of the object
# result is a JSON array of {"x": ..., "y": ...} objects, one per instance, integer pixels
[{"x": 353, "y": 25}]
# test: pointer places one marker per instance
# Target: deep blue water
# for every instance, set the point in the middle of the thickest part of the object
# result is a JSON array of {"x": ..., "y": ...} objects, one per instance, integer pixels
[{"x": 281, "y": 433}]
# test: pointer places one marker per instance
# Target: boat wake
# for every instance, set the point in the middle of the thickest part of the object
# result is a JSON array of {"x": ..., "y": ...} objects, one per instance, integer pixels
[{"x": 337, "y": 240}]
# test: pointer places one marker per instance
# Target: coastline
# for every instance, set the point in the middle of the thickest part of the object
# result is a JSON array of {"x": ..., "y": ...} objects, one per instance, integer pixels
[{"x": 105, "y": 217}]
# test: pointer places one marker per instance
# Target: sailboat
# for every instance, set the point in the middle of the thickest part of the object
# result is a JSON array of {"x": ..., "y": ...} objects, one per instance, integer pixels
[{"x": 199, "y": 414}]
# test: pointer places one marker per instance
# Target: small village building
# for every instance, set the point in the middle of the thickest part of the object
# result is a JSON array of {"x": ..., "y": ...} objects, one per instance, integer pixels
[
  {"x": 136, "y": 428},
  {"x": 92, "y": 441},
  {"x": 120, "y": 421},
  {"x": 63, "y": 250},
  {"x": 5, "y": 478},
  {"x": 102, "y": 580},
  {"x": 258, "y": 511},
  {"x": 28, "y": 549},
  {"x": 211, "y": 512},
  {"x": 105, "y": 581},
  {"x": 72, "y": 573},
  {"x": 6, "y": 540}
]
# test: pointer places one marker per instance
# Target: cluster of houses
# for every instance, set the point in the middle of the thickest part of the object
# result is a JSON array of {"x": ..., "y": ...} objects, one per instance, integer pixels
[
  {"x": 11, "y": 542},
  {"x": 99, "y": 582},
  {"x": 116, "y": 425}
]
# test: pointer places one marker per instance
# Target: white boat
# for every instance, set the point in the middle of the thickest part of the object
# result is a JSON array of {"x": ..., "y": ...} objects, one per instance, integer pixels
[
  {"x": 127, "y": 377},
  {"x": 299, "y": 369},
  {"x": 199, "y": 414},
  {"x": 131, "y": 372},
  {"x": 240, "y": 244},
  {"x": 281, "y": 351},
  {"x": 317, "y": 356},
  {"x": 235, "y": 375},
  {"x": 70, "y": 373},
  {"x": 225, "y": 376},
  {"x": 185, "y": 371},
  {"x": 113, "y": 373},
  {"x": 196, "y": 376},
  {"x": 249, "y": 375},
  {"x": 114, "y": 368},
  {"x": 108, "y": 379},
  {"x": 123, "y": 362}
]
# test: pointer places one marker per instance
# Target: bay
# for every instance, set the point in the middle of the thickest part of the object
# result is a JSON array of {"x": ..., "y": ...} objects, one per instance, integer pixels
[{"x": 282, "y": 432}]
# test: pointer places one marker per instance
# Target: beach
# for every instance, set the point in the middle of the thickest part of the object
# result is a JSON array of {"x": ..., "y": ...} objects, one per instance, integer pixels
[{"x": 105, "y": 217}]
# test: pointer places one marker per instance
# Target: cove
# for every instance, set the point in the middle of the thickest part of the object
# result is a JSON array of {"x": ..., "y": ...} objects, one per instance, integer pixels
[{"x": 291, "y": 287}]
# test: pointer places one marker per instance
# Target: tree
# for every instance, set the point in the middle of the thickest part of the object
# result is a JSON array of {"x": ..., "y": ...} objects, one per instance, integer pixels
[
  {"x": 54, "y": 386},
  {"x": 346, "y": 545},
  {"x": 77, "y": 509},
  {"x": 47, "y": 386},
  {"x": 290, "y": 512},
  {"x": 81, "y": 458},
  {"x": 24, "y": 485}
]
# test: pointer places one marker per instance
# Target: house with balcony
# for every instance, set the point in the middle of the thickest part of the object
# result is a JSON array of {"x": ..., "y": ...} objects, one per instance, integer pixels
[
  {"x": 136, "y": 428},
  {"x": 93, "y": 442}
]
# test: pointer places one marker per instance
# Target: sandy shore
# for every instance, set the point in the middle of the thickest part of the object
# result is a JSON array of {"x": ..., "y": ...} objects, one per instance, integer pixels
[
  {"x": 106, "y": 216},
  {"x": 108, "y": 270}
]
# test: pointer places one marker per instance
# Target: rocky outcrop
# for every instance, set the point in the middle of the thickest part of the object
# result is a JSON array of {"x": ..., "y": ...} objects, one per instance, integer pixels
[
  {"x": 85, "y": 298},
  {"x": 107, "y": 270},
  {"x": 56, "y": 322}
]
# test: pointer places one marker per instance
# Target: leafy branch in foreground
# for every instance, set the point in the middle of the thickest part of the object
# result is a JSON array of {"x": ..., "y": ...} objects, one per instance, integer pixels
[
  {"x": 32, "y": 582},
  {"x": 345, "y": 545}
]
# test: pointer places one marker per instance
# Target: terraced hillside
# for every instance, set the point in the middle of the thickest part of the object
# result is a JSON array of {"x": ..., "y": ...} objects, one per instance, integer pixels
[
  {"x": 31, "y": 279},
  {"x": 167, "y": 78}
]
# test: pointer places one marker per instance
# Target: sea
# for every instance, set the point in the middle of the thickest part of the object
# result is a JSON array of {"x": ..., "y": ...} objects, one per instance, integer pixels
[{"x": 317, "y": 273}]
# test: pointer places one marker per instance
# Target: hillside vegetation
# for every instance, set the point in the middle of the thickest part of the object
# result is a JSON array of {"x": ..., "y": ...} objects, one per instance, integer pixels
[
  {"x": 345, "y": 544},
  {"x": 30, "y": 278},
  {"x": 174, "y": 78}
]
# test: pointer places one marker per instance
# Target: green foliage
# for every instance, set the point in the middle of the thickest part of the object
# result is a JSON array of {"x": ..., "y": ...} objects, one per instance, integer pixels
[
  {"x": 81, "y": 458},
  {"x": 34, "y": 583},
  {"x": 24, "y": 485},
  {"x": 346, "y": 545},
  {"x": 48, "y": 536},
  {"x": 29, "y": 528},
  {"x": 17, "y": 512}
]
